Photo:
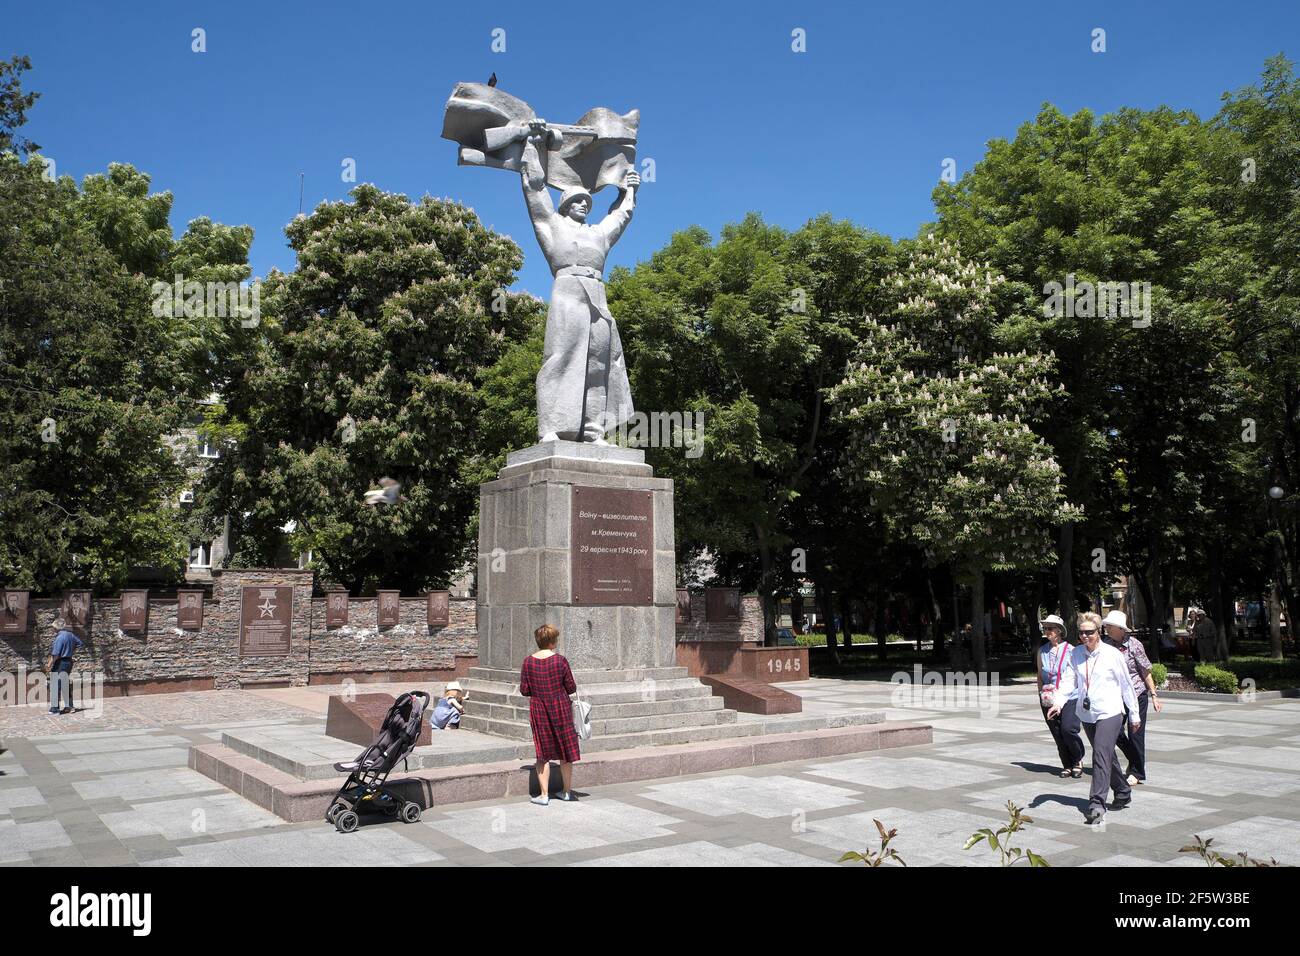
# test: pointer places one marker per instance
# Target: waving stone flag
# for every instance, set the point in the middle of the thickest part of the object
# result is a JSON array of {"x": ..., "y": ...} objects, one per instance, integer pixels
[{"x": 491, "y": 127}]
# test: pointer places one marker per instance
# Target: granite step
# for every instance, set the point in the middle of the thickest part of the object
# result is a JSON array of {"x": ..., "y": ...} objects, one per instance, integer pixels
[
  {"x": 305, "y": 800},
  {"x": 625, "y": 676},
  {"x": 724, "y": 728},
  {"x": 597, "y": 694},
  {"x": 517, "y": 710}
]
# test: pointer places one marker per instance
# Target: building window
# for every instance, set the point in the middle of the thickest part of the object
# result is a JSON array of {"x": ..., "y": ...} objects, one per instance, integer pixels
[
  {"x": 304, "y": 561},
  {"x": 208, "y": 448},
  {"x": 201, "y": 555}
]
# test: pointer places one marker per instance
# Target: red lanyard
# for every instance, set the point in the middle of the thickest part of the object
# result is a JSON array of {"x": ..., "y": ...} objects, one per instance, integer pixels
[{"x": 1060, "y": 662}]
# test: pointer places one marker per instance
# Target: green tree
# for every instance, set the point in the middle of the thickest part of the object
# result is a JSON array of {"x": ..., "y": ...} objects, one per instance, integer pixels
[
  {"x": 14, "y": 104},
  {"x": 371, "y": 362},
  {"x": 95, "y": 380},
  {"x": 747, "y": 332},
  {"x": 941, "y": 419}
]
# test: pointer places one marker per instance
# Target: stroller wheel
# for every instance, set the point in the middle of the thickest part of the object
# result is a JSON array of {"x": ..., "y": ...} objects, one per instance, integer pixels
[
  {"x": 411, "y": 813},
  {"x": 329, "y": 814},
  {"x": 347, "y": 821}
]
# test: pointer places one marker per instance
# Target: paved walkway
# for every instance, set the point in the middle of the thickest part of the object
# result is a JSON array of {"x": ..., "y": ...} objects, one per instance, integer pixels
[{"x": 116, "y": 790}]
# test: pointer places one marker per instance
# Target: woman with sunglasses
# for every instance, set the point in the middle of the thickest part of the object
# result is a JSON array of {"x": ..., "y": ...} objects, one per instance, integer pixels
[
  {"x": 1052, "y": 659},
  {"x": 1100, "y": 675}
]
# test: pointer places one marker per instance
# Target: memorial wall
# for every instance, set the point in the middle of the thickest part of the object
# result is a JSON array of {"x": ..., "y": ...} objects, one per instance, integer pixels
[{"x": 260, "y": 628}]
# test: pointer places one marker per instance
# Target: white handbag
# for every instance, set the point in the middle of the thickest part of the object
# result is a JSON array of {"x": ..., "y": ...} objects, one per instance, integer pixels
[{"x": 582, "y": 718}]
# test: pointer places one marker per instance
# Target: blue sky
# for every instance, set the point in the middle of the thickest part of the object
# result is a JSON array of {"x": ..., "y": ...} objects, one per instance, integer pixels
[{"x": 858, "y": 125}]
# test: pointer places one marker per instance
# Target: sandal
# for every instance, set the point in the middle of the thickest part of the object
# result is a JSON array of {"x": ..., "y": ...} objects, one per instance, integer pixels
[
  {"x": 1065, "y": 772},
  {"x": 1076, "y": 772}
]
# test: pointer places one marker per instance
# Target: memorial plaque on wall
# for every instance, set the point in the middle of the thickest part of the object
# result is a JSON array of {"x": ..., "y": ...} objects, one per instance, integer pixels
[
  {"x": 683, "y": 606},
  {"x": 722, "y": 604},
  {"x": 336, "y": 609},
  {"x": 390, "y": 608},
  {"x": 612, "y": 546},
  {"x": 76, "y": 608},
  {"x": 189, "y": 610},
  {"x": 13, "y": 612},
  {"x": 265, "y": 621},
  {"x": 133, "y": 615},
  {"x": 439, "y": 608}
]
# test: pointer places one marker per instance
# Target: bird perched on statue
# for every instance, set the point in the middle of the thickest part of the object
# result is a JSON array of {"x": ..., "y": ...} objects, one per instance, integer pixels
[
  {"x": 389, "y": 492},
  {"x": 492, "y": 80}
]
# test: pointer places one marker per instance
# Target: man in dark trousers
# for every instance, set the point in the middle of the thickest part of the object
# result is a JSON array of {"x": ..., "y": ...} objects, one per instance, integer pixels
[{"x": 66, "y": 644}]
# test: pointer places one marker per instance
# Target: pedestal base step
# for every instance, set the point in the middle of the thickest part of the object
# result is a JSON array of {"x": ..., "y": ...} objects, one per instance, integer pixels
[
  {"x": 753, "y": 697},
  {"x": 304, "y": 800}
]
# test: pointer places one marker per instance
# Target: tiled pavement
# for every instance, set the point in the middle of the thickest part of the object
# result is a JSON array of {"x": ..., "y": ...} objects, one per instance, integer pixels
[{"x": 116, "y": 790}]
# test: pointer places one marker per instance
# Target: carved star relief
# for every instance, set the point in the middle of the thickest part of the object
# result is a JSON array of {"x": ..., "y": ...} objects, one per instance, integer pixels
[{"x": 267, "y": 608}]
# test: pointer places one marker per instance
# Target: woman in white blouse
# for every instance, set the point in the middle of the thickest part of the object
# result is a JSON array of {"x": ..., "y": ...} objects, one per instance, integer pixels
[{"x": 1099, "y": 674}]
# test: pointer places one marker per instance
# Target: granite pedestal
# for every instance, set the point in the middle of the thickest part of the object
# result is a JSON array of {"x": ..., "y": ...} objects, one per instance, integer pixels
[{"x": 531, "y": 571}]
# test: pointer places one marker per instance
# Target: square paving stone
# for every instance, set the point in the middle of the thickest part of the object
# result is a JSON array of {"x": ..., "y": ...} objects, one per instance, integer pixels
[
  {"x": 890, "y": 773},
  {"x": 187, "y": 818},
  {"x": 704, "y": 853},
  {"x": 1259, "y": 837},
  {"x": 1272, "y": 758},
  {"x": 1066, "y": 803},
  {"x": 556, "y": 828},
  {"x": 926, "y": 837},
  {"x": 379, "y": 844},
  {"x": 760, "y": 796}
]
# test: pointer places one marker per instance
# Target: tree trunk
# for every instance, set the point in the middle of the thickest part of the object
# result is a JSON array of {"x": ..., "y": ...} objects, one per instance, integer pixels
[
  {"x": 958, "y": 656},
  {"x": 1065, "y": 580},
  {"x": 1215, "y": 556},
  {"x": 936, "y": 618},
  {"x": 977, "y": 621},
  {"x": 878, "y": 626},
  {"x": 766, "y": 587},
  {"x": 1275, "y": 622},
  {"x": 823, "y": 603}
]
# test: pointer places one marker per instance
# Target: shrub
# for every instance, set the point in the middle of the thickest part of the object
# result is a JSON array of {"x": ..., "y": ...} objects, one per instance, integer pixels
[
  {"x": 1216, "y": 679},
  {"x": 1159, "y": 674}
]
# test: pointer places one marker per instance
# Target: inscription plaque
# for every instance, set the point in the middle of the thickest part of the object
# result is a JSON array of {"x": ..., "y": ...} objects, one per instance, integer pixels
[
  {"x": 390, "y": 608},
  {"x": 336, "y": 609},
  {"x": 612, "y": 546},
  {"x": 133, "y": 614},
  {"x": 189, "y": 610},
  {"x": 13, "y": 612},
  {"x": 76, "y": 608},
  {"x": 439, "y": 608},
  {"x": 722, "y": 604},
  {"x": 683, "y": 606},
  {"x": 265, "y": 621}
]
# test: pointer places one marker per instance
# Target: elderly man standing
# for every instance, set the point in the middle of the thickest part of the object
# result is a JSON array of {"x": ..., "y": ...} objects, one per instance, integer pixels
[
  {"x": 1206, "y": 637},
  {"x": 1133, "y": 744},
  {"x": 65, "y": 646}
]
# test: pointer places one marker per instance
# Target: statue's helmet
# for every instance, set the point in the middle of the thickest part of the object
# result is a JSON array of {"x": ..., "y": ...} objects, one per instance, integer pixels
[{"x": 571, "y": 195}]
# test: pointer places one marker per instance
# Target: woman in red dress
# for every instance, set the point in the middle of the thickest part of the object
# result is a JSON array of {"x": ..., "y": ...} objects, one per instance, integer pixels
[{"x": 547, "y": 682}]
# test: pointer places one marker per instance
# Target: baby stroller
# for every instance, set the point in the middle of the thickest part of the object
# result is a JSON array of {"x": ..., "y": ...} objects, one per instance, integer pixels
[{"x": 368, "y": 775}]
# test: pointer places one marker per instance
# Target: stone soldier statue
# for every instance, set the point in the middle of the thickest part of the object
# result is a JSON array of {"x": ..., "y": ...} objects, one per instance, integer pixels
[{"x": 582, "y": 388}]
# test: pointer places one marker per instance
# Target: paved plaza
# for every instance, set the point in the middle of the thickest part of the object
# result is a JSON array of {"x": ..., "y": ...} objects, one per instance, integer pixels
[{"x": 115, "y": 790}]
